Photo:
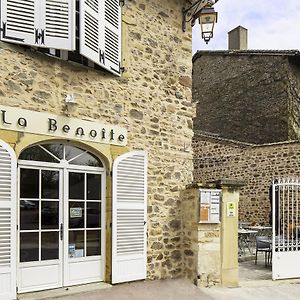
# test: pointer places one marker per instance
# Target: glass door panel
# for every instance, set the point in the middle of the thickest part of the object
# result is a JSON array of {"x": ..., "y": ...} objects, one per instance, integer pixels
[{"x": 40, "y": 211}]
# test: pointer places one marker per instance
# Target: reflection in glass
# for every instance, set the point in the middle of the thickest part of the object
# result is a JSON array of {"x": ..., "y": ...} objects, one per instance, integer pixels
[
  {"x": 93, "y": 186},
  {"x": 71, "y": 152},
  {"x": 29, "y": 246},
  {"x": 76, "y": 214},
  {"x": 93, "y": 214},
  {"x": 38, "y": 154},
  {"x": 93, "y": 242},
  {"x": 50, "y": 184},
  {"x": 29, "y": 215},
  {"x": 76, "y": 185},
  {"x": 56, "y": 149},
  {"x": 87, "y": 159},
  {"x": 29, "y": 187},
  {"x": 50, "y": 214},
  {"x": 50, "y": 245},
  {"x": 76, "y": 243}
]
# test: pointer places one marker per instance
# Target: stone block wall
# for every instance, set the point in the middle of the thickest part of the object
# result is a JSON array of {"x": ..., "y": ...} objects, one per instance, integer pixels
[
  {"x": 255, "y": 165},
  {"x": 152, "y": 100},
  {"x": 249, "y": 96},
  {"x": 209, "y": 255}
]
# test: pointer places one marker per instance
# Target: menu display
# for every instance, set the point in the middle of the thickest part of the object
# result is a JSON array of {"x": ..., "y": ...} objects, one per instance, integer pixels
[{"x": 209, "y": 206}]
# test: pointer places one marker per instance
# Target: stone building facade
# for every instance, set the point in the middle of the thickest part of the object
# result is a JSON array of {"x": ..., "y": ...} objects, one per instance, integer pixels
[
  {"x": 151, "y": 99},
  {"x": 247, "y": 95},
  {"x": 255, "y": 165}
]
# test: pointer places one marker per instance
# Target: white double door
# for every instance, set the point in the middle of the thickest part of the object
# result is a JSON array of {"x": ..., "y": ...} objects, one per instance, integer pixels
[{"x": 61, "y": 236}]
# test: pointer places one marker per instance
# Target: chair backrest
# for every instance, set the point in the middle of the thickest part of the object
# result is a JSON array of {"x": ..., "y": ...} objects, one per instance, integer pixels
[{"x": 262, "y": 242}]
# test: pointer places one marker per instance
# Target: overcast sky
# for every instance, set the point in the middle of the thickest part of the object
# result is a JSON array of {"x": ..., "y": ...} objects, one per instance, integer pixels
[{"x": 271, "y": 24}]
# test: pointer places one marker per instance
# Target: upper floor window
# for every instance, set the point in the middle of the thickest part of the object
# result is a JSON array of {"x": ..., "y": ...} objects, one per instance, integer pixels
[{"x": 87, "y": 28}]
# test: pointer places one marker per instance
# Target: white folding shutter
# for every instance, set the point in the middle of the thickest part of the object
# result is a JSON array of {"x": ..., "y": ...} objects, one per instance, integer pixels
[
  {"x": 129, "y": 215},
  {"x": 57, "y": 24},
  {"x": 112, "y": 34},
  {"x": 18, "y": 21},
  {"x": 8, "y": 228},
  {"x": 100, "y": 33}
]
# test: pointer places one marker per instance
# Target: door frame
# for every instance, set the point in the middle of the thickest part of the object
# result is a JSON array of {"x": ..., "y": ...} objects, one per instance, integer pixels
[{"x": 63, "y": 167}]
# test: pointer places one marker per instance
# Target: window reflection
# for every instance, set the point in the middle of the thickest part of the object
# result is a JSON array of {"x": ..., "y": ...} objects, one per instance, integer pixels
[
  {"x": 93, "y": 214},
  {"x": 93, "y": 243},
  {"x": 50, "y": 215},
  {"x": 93, "y": 186},
  {"x": 29, "y": 246},
  {"x": 29, "y": 187},
  {"x": 38, "y": 154},
  {"x": 76, "y": 185},
  {"x": 50, "y": 184},
  {"x": 29, "y": 215},
  {"x": 50, "y": 245},
  {"x": 74, "y": 155}
]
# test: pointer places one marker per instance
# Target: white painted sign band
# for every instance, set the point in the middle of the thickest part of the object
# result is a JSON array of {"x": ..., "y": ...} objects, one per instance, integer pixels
[{"x": 22, "y": 120}]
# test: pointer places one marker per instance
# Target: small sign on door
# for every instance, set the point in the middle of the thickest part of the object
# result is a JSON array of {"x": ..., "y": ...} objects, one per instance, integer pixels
[{"x": 75, "y": 212}]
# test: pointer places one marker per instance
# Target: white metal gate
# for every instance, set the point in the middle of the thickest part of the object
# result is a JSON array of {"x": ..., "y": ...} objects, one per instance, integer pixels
[{"x": 286, "y": 228}]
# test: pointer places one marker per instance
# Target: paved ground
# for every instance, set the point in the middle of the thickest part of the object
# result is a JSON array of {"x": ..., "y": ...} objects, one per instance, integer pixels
[
  {"x": 255, "y": 283},
  {"x": 145, "y": 290}
]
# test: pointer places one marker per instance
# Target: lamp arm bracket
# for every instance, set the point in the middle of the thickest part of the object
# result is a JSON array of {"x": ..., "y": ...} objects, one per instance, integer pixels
[{"x": 195, "y": 7}]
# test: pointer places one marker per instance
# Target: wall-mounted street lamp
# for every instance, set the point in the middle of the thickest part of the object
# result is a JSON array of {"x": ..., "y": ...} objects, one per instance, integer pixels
[{"x": 202, "y": 10}]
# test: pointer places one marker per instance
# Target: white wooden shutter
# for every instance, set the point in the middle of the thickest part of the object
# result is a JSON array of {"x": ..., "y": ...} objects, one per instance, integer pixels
[
  {"x": 18, "y": 21},
  {"x": 57, "y": 28},
  {"x": 8, "y": 167},
  {"x": 100, "y": 33},
  {"x": 41, "y": 23},
  {"x": 129, "y": 215}
]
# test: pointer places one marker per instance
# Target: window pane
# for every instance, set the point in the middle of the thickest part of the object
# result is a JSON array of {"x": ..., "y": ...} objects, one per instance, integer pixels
[
  {"x": 29, "y": 246},
  {"x": 93, "y": 186},
  {"x": 71, "y": 152},
  {"x": 38, "y": 154},
  {"x": 76, "y": 243},
  {"x": 93, "y": 214},
  {"x": 50, "y": 184},
  {"x": 29, "y": 215},
  {"x": 93, "y": 242},
  {"x": 29, "y": 183},
  {"x": 76, "y": 214},
  {"x": 87, "y": 159},
  {"x": 50, "y": 214},
  {"x": 76, "y": 186},
  {"x": 50, "y": 245},
  {"x": 56, "y": 149}
]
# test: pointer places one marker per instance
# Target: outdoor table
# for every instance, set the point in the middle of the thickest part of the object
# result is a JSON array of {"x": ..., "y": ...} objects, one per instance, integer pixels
[
  {"x": 245, "y": 239},
  {"x": 262, "y": 230}
]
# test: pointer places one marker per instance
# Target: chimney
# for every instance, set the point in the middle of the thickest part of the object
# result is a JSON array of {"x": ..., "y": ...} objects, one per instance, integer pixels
[{"x": 238, "y": 39}]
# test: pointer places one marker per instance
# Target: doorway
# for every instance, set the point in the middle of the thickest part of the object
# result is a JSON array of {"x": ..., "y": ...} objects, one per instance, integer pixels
[{"x": 61, "y": 217}]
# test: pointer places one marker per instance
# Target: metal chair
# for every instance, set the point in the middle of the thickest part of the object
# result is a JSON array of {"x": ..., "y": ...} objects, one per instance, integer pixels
[{"x": 263, "y": 245}]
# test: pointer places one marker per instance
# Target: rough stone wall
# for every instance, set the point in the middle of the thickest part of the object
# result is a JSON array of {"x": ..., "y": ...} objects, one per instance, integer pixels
[
  {"x": 152, "y": 99},
  {"x": 255, "y": 165},
  {"x": 246, "y": 97},
  {"x": 294, "y": 91}
]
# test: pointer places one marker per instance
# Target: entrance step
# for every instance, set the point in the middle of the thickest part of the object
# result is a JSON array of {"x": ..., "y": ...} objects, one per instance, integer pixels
[{"x": 65, "y": 291}]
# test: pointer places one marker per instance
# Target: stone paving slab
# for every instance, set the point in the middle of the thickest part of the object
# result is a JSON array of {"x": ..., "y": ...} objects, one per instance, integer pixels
[{"x": 171, "y": 289}]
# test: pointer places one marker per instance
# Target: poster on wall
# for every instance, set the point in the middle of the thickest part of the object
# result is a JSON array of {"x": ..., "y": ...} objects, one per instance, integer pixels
[{"x": 209, "y": 206}]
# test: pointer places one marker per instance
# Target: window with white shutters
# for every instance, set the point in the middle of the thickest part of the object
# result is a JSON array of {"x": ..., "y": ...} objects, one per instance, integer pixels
[
  {"x": 40, "y": 23},
  {"x": 88, "y": 31},
  {"x": 7, "y": 222},
  {"x": 129, "y": 217},
  {"x": 100, "y": 35}
]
